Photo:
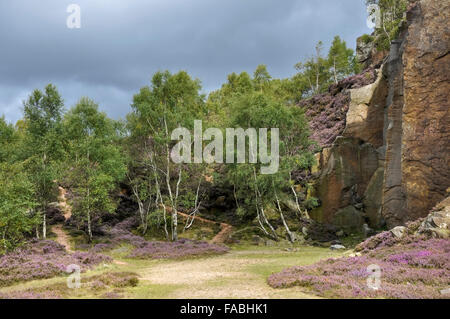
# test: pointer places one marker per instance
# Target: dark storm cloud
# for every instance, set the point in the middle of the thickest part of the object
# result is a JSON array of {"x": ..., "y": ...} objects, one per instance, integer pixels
[{"x": 122, "y": 43}]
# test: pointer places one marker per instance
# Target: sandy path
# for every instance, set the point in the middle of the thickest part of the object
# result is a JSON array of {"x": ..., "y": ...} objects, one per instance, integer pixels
[
  {"x": 221, "y": 236},
  {"x": 65, "y": 207},
  {"x": 225, "y": 276},
  {"x": 61, "y": 237}
]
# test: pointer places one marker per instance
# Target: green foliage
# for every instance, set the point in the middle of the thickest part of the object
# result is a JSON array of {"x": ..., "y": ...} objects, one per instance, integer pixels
[
  {"x": 312, "y": 203},
  {"x": 392, "y": 16},
  {"x": 257, "y": 110},
  {"x": 16, "y": 206},
  {"x": 341, "y": 60},
  {"x": 317, "y": 73},
  {"x": 43, "y": 144},
  {"x": 7, "y": 140},
  {"x": 91, "y": 153},
  {"x": 366, "y": 38},
  {"x": 95, "y": 159},
  {"x": 171, "y": 101}
]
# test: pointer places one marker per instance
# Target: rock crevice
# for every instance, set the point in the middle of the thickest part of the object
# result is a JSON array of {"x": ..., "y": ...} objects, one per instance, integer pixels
[{"x": 390, "y": 162}]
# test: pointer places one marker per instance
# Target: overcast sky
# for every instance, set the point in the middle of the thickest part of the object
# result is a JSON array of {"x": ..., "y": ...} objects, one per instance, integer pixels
[{"x": 122, "y": 43}]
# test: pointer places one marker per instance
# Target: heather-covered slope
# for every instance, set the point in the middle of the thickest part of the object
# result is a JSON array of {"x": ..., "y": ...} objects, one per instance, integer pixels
[
  {"x": 413, "y": 262},
  {"x": 327, "y": 111},
  {"x": 44, "y": 259}
]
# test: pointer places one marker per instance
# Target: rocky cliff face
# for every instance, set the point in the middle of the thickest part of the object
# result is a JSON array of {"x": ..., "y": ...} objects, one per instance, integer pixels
[
  {"x": 425, "y": 141},
  {"x": 390, "y": 163}
]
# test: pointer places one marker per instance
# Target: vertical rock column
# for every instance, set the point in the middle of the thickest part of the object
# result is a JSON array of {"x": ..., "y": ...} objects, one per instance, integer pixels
[{"x": 417, "y": 135}]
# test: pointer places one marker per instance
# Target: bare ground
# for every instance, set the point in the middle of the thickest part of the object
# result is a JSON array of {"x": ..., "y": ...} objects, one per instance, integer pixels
[
  {"x": 61, "y": 237},
  {"x": 227, "y": 276}
]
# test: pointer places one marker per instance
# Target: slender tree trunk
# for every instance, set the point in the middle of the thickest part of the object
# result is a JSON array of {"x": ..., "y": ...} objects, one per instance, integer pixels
[
  {"x": 197, "y": 204},
  {"x": 235, "y": 197},
  {"x": 173, "y": 200},
  {"x": 44, "y": 226},
  {"x": 288, "y": 231},
  {"x": 335, "y": 72},
  {"x": 305, "y": 213},
  {"x": 384, "y": 28},
  {"x": 159, "y": 195},
  {"x": 89, "y": 226},
  {"x": 89, "y": 203},
  {"x": 89, "y": 217},
  {"x": 175, "y": 208},
  {"x": 261, "y": 208},
  {"x": 274, "y": 234},
  {"x": 142, "y": 211},
  {"x": 44, "y": 208},
  {"x": 4, "y": 238},
  {"x": 311, "y": 85},
  {"x": 261, "y": 224},
  {"x": 317, "y": 81}
]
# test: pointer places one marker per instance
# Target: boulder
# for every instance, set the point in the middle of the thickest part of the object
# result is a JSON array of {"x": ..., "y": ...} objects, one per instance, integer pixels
[
  {"x": 337, "y": 247},
  {"x": 349, "y": 219},
  {"x": 398, "y": 231},
  {"x": 437, "y": 224}
]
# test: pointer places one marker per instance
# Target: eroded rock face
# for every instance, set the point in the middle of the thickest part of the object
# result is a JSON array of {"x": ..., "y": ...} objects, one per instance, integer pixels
[
  {"x": 346, "y": 170},
  {"x": 394, "y": 155},
  {"x": 367, "y": 54},
  {"x": 349, "y": 219},
  {"x": 364, "y": 50},
  {"x": 365, "y": 116},
  {"x": 418, "y": 134},
  {"x": 426, "y": 112},
  {"x": 393, "y": 193}
]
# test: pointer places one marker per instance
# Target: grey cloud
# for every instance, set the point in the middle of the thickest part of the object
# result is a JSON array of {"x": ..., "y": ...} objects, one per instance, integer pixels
[{"x": 122, "y": 43}]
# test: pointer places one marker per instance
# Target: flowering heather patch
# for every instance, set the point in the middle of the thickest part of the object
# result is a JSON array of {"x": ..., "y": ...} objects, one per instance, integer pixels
[
  {"x": 29, "y": 294},
  {"x": 419, "y": 269},
  {"x": 113, "y": 280},
  {"x": 180, "y": 249},
  {"x": 121, "y": 233},
  {"x": 111, "y": 295},
  {"x": 387, "y": 239},
  {"x": 328, "y": 111},
  {"x": 98, "y": 285},
  {"x": 43, "y": 259}
]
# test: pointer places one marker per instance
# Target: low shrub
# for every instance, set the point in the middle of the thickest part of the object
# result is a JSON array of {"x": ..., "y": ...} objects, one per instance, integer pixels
[
  {"x": 43, "y": 259},
  {"x": 418, "y": 269},
  {"x": 121, "y": 233}
]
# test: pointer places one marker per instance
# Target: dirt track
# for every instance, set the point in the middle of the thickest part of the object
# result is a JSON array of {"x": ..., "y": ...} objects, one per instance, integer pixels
[
  {"x": 61, "y": 237},
  {"x": 227, "y": 276},
  {"x": 219, "y": 238}
]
